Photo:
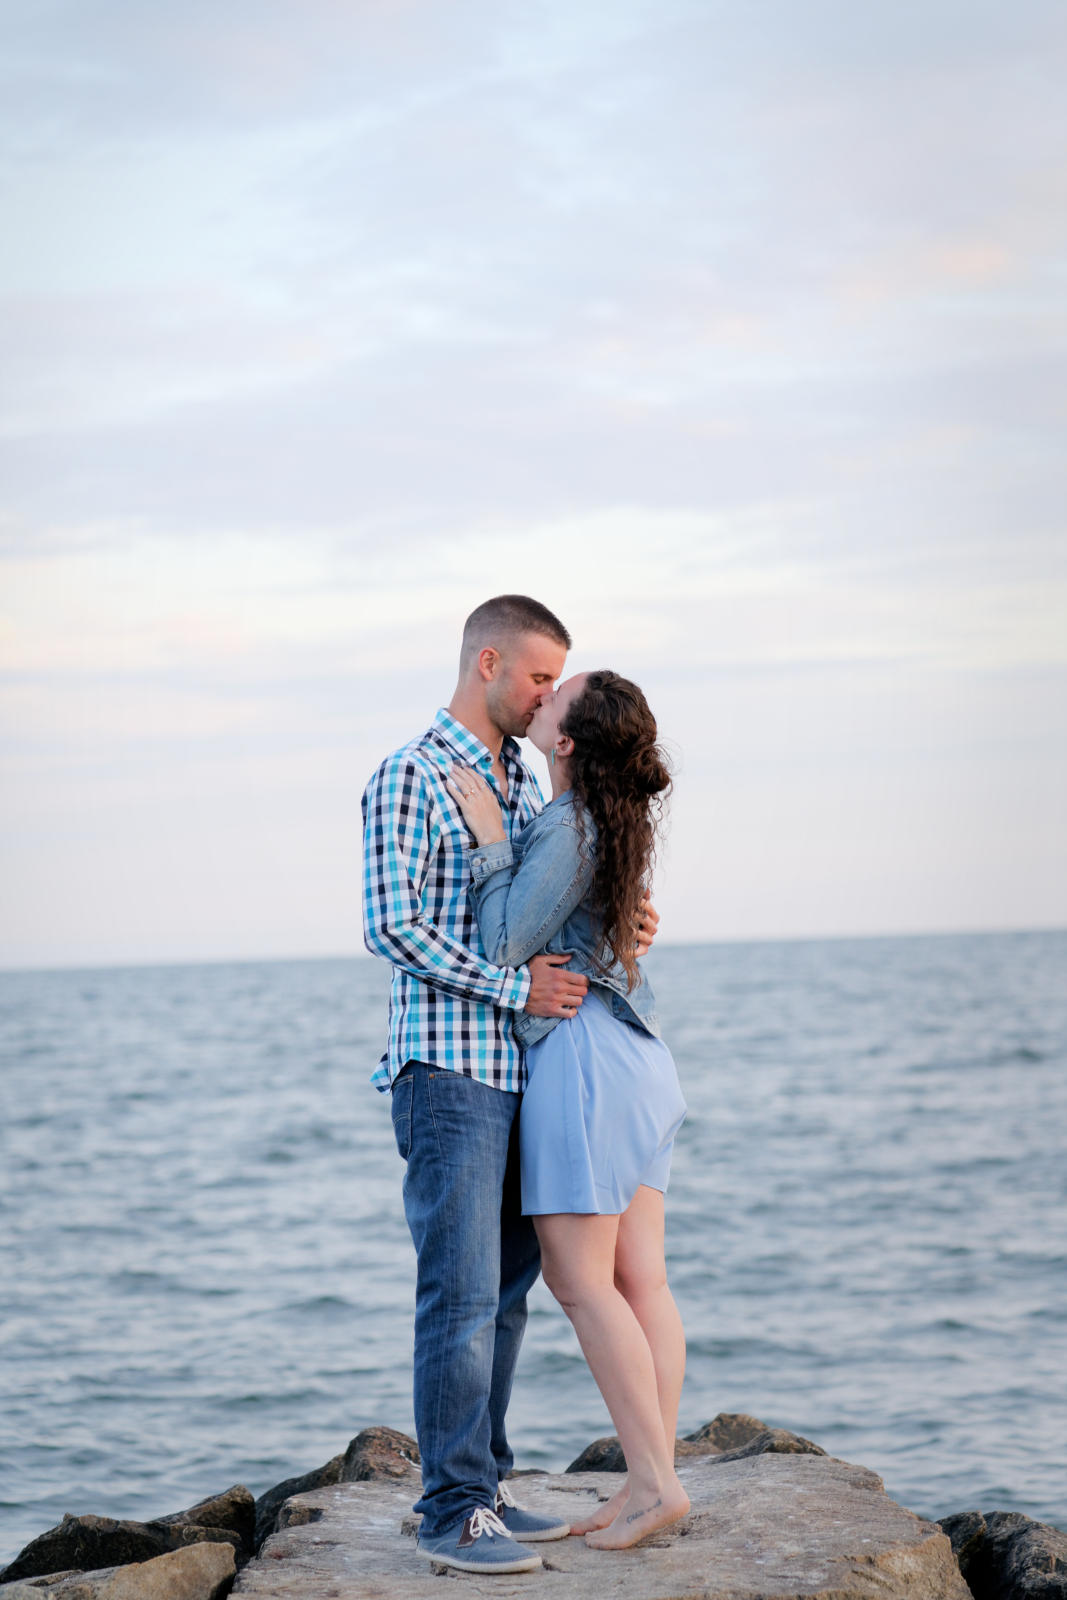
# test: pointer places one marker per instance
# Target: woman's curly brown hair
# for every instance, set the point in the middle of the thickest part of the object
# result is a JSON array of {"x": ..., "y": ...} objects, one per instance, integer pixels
[{"x": 619, "y": 774}]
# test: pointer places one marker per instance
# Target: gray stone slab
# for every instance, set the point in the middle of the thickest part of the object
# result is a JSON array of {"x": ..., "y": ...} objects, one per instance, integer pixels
[{"x": 764, "y": 1528}]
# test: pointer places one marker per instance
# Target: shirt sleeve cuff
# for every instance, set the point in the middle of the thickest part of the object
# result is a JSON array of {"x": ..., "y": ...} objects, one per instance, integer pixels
[
  {"x": 515, "y": 989},
  {"x": 490, "y": 858}
]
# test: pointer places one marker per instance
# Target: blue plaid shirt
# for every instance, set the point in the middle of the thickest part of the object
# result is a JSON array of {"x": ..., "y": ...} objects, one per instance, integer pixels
[{"x": 448, "y": 1006}]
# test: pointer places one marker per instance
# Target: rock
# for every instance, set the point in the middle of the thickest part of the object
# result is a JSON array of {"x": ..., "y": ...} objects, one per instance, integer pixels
[
  {"x": 297, "y": 1513},
  {"x": 773, "y": 1441},
  {"x": 234, "y": 1509},
  {"x": 85, "y": 1544},
  {"x": 603, "y": 1455},
  {"x": 199, "y": 1572},
  {"x": 965, "y": 1529},
  {"x": 1003, "y": 1554},
  {"x": 270, "y": 1503},
  {"x": 34, "y": 1584},
  {"x": 373, "y": 1453},
  {"x": 379, "y": 1453},
  {"x": 89, "y": 1544},
  {"x": 728, "y": 1437},
  {"x": 57, "y": 1586},
  {"x": 769, "y": 1526},
  {"x": 728, "y": 1431},
  {"x": 36, "y": 1588}
]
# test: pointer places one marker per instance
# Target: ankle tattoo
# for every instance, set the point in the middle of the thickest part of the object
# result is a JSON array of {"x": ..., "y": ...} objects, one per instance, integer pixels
[{"x": 644, "y": 1512}]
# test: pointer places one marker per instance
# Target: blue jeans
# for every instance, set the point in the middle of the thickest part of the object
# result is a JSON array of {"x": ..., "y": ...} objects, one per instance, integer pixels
[{"x": 477, "y": 1257}]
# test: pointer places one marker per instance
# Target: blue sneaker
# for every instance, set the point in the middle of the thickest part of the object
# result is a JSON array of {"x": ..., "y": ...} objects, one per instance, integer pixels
[
  {"x": 480, "y": 1543},
  {"x": 523, "y": 1524}
]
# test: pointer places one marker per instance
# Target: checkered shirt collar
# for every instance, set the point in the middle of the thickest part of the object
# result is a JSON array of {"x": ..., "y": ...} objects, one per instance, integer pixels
[{"x": 470, "y": 749}]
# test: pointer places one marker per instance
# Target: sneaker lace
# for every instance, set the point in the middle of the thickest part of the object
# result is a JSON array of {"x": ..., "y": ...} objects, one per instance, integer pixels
[
  {"x": 504, "y": 1497},
  {"x": 485, "y": 1521}
]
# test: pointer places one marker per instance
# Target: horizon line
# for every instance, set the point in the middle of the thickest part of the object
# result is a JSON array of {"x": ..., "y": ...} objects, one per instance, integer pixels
[{"x": 163, "y": 963}]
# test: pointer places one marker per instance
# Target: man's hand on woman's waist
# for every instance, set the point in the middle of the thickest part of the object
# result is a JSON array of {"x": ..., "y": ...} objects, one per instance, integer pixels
[
  {"x": 647, "y": 924},
  {"x": 554, "y": 992}
]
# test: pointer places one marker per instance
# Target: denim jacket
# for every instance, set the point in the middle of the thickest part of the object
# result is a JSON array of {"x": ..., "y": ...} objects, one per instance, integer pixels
[{"x": 532, "y": 894}]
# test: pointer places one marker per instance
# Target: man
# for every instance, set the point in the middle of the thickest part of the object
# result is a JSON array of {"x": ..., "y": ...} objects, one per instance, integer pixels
[{"x": 456, "y": 1076}]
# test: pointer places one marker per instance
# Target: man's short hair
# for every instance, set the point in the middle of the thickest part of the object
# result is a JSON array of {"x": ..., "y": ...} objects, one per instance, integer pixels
[{"x": 507, "y": 615}]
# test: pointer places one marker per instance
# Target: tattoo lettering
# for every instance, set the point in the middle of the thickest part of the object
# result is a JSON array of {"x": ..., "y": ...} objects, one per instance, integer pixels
[{"x": 635, "y": 1514}]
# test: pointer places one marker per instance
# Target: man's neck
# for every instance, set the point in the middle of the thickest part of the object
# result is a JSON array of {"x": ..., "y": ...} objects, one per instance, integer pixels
[{"x": 475, "y": 718}]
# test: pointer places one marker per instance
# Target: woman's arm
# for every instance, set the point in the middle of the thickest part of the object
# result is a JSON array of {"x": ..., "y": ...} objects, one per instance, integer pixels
[
  {"x": 398, "y": 808},
  {"x": 521, "y": 906}
]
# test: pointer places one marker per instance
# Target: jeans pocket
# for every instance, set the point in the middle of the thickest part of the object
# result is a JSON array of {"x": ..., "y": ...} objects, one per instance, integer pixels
[{"x": 402, "y": 1092}]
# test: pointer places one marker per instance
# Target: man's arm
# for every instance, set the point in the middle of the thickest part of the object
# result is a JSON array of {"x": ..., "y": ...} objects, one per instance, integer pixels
[{"x": 396, "y": 855}]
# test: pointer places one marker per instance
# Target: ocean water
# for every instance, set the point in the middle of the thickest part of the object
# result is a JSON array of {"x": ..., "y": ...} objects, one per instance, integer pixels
[{"x": 205, "y": 1276}]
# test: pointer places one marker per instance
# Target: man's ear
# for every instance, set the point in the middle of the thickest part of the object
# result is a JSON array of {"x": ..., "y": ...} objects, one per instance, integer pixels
[{"x": 488, "y": 662}]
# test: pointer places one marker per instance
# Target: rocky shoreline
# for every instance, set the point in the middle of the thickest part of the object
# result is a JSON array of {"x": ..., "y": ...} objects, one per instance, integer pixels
[{"x": 773, "y": 1515}]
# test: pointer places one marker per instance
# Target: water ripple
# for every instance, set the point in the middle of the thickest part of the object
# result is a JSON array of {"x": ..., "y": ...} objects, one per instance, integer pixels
[{"x": 206, "y": 1276}]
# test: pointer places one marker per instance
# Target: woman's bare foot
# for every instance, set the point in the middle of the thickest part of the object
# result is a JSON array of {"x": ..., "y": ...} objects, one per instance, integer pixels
[
  {"x": 605, "y": 1513},
  {"x": 639, "y": 1516}
]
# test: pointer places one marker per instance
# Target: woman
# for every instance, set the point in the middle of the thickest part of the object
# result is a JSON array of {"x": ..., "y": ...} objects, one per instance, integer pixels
[{"x": 602, "y": 1104}]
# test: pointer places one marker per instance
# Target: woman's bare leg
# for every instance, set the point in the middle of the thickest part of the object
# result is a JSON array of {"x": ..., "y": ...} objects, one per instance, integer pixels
[
  {"x": 641, "y": 1278},
  {"x": 578, "y": 1255}
]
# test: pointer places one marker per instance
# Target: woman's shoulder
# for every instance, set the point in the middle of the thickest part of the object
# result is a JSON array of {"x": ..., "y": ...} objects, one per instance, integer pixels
[
  {"x": 567, "y": 811},
  {"x": 564, "y": 813}
]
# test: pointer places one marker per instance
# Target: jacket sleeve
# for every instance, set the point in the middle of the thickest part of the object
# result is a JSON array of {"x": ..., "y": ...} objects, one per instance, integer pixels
[
  {"x": 521, "y": 905},
  {"x": 399, "y": 821}
]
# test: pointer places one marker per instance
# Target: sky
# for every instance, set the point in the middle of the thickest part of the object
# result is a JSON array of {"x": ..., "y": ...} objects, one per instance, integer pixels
[{"x": 733, "y": 332}]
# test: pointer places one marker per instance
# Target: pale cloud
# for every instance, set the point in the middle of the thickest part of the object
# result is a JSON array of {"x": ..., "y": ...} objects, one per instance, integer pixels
[
  {"x": 119, "y": 360},
  {"x": 733, "y": 333},
  {"x": 739, "y": 590}
]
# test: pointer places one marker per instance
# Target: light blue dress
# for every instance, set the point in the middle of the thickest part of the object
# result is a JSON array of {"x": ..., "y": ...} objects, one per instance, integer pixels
[
  {"x": 602, "y": 1103},
  {"x": 599, "y": 1116}
]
